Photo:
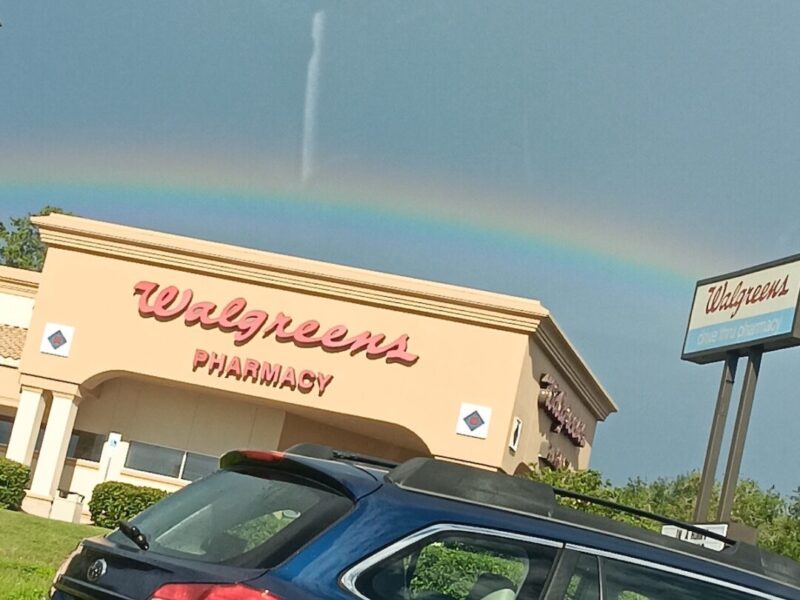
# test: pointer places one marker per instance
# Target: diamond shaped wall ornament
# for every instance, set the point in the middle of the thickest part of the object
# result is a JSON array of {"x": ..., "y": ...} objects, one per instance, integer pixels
[
  {"x": 473, "y": 420},
  {"x": 57, "y": 339}
]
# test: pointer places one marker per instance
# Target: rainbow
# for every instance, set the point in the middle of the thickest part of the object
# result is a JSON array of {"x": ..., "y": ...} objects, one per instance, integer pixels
[{"x": 355, "y": 219}]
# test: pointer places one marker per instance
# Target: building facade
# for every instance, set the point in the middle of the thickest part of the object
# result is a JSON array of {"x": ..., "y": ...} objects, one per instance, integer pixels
[{"x": 141, "y": 357}]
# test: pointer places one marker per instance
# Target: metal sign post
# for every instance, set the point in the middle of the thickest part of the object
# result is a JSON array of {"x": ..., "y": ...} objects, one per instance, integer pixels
[
  {"x": 715, "y": 438},
  {"x": 739, "y": 435}
]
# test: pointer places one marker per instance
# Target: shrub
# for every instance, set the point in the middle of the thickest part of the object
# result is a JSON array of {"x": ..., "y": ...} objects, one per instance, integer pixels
[
  {"x": 13, "y": 479},
  {"x": 451, "y": 570},
  {"x": 114, "y": 500}
]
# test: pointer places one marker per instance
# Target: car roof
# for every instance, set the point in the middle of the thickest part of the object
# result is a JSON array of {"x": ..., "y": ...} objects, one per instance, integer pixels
[{"x": 498, "y": 491}]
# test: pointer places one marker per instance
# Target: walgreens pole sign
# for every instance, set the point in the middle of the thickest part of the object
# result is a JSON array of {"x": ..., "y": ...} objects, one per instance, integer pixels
[{"x": 754, "y": 307}]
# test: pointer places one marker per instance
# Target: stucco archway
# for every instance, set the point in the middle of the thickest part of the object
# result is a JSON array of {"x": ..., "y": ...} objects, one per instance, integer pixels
[{"x": 154, "y": 432}]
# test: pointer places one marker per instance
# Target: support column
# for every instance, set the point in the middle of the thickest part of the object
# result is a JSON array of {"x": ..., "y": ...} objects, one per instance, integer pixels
[
  {"x": 50, "y": 463},
  {"x": 26, "y": 426},
  {"x": 715, "y": 438},
  {"x": 739, "y": 434}
]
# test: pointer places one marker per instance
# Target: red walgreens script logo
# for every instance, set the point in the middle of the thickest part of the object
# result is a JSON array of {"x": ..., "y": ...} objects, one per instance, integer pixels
[
  {"x": 170, "y": 303},
  {"x": 720, "y": 298}
]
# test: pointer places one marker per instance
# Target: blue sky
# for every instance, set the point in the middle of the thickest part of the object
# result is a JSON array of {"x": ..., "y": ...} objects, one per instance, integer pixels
[{"x": 600, "y": 157}]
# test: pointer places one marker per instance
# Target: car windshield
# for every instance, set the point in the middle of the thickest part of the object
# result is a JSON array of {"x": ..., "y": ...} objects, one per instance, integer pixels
[{"x": 248, "y": 518}]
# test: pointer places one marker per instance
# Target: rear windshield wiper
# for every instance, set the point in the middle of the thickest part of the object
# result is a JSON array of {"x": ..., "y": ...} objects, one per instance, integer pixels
[{"x": 132, "y": 532}]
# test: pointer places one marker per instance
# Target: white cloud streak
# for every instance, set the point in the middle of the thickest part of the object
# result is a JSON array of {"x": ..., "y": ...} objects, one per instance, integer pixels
[{"x": 312, "y": 97}]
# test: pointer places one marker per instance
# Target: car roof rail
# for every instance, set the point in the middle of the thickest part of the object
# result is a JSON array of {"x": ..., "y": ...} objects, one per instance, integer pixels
[
  {"x": 516, "y": 493},
  {"x": 645, "y": 515},
  {"x": 505, "y": 492},
  {"x": 328, "y": 453}
]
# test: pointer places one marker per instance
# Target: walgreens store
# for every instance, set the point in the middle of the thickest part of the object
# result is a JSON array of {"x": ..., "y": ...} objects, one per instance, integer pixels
[{"x": 141, "y": 357}]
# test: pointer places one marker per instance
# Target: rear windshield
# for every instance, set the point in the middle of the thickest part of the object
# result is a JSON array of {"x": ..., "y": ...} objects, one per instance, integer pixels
[{"x": 245, "y": 518}]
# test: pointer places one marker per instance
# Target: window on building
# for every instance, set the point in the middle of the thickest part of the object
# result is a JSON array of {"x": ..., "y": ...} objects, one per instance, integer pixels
[
  {"x": 154, "y": 459},
  {"x": 5, "y": 429},
  {"x": 198, "y": 465},
  {"x": 82, "y": 444},
  {"x": 7, "y": 424},
  {"x": 86, "y": 445},
  {"x": 169, "y": 461}
]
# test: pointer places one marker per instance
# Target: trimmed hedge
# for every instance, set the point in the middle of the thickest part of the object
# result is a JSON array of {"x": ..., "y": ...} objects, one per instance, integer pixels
[
  {"x": 113, "y": 500},
  {"x": 14, "y": 477},
  {"x": 451, "y": 570}
]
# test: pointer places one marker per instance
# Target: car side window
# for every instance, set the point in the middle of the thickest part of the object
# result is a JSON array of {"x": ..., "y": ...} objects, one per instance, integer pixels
[
  {"x": 460, "y": 566},
  {"x": 626, "y": 581},
  {"x": 584, "y": 584}
]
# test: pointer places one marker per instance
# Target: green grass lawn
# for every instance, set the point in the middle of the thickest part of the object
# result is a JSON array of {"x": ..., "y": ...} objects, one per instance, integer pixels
[{"x": 31, "y": 548}]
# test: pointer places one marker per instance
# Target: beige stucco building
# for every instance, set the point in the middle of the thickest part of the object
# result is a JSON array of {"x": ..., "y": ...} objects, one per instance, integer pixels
[{"x": 141, "y": 357}]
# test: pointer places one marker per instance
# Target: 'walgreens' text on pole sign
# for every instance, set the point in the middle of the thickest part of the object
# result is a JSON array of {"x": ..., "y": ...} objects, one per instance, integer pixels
[{"x": 755, "y": 307}]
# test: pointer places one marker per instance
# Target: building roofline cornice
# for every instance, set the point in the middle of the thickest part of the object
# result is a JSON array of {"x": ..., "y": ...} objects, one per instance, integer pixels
[
  {"x": 19, "y": 281},
  {"x": 559, "y": 349},
  {"x": 438, "y": 300}
]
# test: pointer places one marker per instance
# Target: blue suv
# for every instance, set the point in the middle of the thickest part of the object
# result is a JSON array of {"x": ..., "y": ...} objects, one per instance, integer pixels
[{"x": 315, "y": 523}]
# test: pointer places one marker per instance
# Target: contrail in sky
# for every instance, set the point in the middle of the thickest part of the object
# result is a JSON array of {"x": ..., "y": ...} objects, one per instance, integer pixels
[{"x": 312, "y": 95}]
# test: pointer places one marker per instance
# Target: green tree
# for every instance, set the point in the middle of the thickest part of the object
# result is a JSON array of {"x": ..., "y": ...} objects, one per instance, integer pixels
[
  {"x": 758, "y": 508},
  {"x": 20, "y": 244},
  {"x": 672, "y": 497},
  {"x": 785, "y": 537},
  {"x": 776, "y": 518},
  {"x": 590, "y": 483}
]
